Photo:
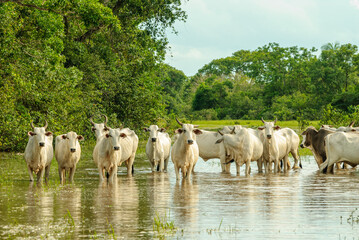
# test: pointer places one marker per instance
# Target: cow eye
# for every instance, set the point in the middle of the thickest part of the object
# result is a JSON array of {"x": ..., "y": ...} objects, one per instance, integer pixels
[{"x": 184, "y": 131}]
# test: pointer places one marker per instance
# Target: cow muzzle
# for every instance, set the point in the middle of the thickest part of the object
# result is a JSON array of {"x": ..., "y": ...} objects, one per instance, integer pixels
[
  {"x": 116, "y": 148},
  {"x": 269, "y": 136},
  {"x": 72, "y": 150},
  {"x": 302, "y": 145},
  {"x": 190, "y": 142},
  {"x": 42, "y": 144},
  {"x": 154, "y": 139}
]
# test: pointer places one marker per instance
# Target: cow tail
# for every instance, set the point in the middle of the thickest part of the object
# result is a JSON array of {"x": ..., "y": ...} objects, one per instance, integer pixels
[
  {"x": 158, "y": 167},
  {"x": 300, "y": 160},
  {"x": 133, "y": 169},
  {"x": 107, "y": 175}
]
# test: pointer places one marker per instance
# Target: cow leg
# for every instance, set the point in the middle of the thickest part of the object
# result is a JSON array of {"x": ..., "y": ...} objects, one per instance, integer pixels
[
  {"x": 72, "y": 173},
  {"x": 40, "y": 175},
  {"x": 260, "y": 165},
  {"x": 276, "y": 165},
  {"x": 166, "y": 163},
  {"x": 248, "y": 167},
  {"x": 238, "y": 168},
  {"x": 30, "y": 173},
  {"x": 101, "y": 173},
  {"x": 162, "y": 164},
  {"x": 129, "y": 165},
  {"x": 177, "y": 171},
  {"x": 47, "y": 172},
  {"x": 285, "y": 165},
  {"x": 152, "y": 163},
  {"x": 190, "y": 170},
  {"x": 113, "y": 174},
  {"x": 337, "y": 165},
  {"x": 296, "y": 158}
]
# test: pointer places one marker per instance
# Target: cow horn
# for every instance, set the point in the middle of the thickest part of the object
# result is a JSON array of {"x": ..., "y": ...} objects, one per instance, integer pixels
[
  {"x": 275, "y": 120},
  {"x": 106, "y": 119},
  {"x": 179, "y": 122},
  {"x": 263, "y": 120},
  {"x": 219, "y": 131},
  {"x": 45, "y": 124},
  {"x": 351, "y": 124},
  {"x": 195, "y": 126},
  {"x": 234, "y": 128},
  {"x": 32, "y": 125},
  {"x": 92, "y": 122}
]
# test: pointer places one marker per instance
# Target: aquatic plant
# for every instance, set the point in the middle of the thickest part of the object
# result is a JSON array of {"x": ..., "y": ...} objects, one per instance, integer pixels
[
  {"x": 162, "y": 226},
  {"x": 352, "y": 218}
]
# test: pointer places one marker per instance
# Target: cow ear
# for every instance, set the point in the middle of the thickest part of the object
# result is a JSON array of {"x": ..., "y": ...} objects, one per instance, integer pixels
[
  {"x": 63, "y": 136},
  {"x": 162, "y": 130},
  {"x": 276, "y": 127},
  {"x": 197, "y": 131},
  {"x": 219, "y": 140},
  {"x": 179, "y": 130},
  {"x": 48, "y": 133},
  {"x": 353, "y": 130},
  {"x": 123, "y": 135},
  {"x": 93, "y": 129},
  {"x": 261, "y": 128},
  {"x": 31, "y": 133},
  {"x": 80, "y": 138},
  {"x": 106, "y": 128},
  {"x": 145, "y": 129}
]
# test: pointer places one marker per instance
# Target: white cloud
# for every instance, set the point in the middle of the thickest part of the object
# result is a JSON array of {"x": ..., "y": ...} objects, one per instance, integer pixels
[{"x": 355, "y": 3}]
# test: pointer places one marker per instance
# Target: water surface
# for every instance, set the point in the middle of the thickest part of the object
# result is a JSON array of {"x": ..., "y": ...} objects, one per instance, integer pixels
[{"x": 302, "y": 204}]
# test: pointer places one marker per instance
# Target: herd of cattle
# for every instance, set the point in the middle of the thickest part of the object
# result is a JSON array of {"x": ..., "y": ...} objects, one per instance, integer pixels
[{"x": 268, "y": 145}]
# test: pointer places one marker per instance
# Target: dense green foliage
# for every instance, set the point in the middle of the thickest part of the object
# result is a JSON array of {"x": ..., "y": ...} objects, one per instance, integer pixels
[
  {"x": 64, "y": 61},
  {"x": 289, "y": 83}
]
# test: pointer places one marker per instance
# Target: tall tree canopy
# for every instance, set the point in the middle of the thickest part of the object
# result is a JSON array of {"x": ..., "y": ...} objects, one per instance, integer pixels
[{"x": 64, "y": 61}]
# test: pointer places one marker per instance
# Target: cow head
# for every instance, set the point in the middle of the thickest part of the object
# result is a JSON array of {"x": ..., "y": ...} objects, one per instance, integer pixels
[
  {"x": 307, "y": 137},
  {"x": 114, "y": 136},
  {"x": 39, "y": 133},
  {"x": 154, "y": 130},
  {"x": 72, "y": 139},
  {"x": 99, "y": 128},
  {"x": 269, "y": 127},
  {"x": 189, "y": 132}
]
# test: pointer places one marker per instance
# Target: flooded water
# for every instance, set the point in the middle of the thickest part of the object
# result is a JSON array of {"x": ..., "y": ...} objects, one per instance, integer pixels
[{"x": 302, "y": 204}]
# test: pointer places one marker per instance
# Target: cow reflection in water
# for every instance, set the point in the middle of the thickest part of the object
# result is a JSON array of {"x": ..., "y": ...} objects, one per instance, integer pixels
[
  {"x": 185, "y": 201},
  {"x": 116, "y": 204},
  {"x": 159, "y": 192},
  {"x": 40, "y": 205}
]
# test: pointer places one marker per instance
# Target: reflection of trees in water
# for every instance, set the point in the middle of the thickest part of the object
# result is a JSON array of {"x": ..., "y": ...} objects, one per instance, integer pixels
[
  {"x": 117, "y": 204},
  {"x": 185, "y": 201}
]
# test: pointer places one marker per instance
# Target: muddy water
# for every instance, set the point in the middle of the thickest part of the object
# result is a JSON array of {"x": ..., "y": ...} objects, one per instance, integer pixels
[{"x": 302, "y": 204}]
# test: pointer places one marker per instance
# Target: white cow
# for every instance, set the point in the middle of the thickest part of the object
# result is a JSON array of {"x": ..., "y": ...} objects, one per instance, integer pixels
[
  {"x": 39, "y": 152},
  {"x": 275, "y": 146},
  {"x": 158, "y": 148},
  {"x": 243, "y": 147},
  {"x": 341, "y": 147},
  {"x": 107, "y": 154},
  {"x": 99, "y": 128},
  {"x": 68, "y": 153},
  {"x": 208, "y": 149},
  {"x": 293, "y": 145},
  {"x": 128, "y": 148},
  {"x": 185, "y": 151}
]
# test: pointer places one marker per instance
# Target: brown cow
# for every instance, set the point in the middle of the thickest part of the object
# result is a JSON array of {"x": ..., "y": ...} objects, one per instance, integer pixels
[{"x": 314, "y": 140}]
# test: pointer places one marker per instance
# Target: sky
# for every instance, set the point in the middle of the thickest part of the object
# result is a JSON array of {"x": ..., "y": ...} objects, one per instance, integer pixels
[{"x": 217, "y": 28}]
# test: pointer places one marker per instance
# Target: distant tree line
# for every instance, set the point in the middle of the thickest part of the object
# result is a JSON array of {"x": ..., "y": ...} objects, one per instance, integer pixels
[{"x": 288, "y": 83}]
